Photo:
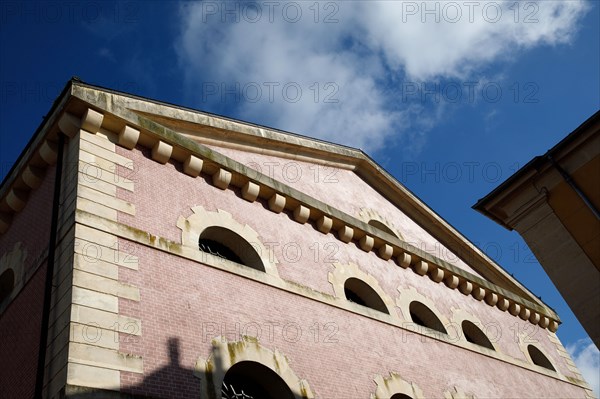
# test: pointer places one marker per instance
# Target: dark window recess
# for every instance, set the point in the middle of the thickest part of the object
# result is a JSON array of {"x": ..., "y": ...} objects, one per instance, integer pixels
[
  {"x": 417, "y": 320},
  {"x": 423, "y": 316},
  {"x": 7, "y": 283},
  {"x": 537, "y": 357},
  {"x": 230, "y": 392},
  {"x": 352, "y": 297},
  {"x": 218, "y": 249},
  {"x": 227, "y": 244},
  {"x": 474, "y": 335},
  {"x": 251, "y": 380},
  {"x": 359, "y": 292}
]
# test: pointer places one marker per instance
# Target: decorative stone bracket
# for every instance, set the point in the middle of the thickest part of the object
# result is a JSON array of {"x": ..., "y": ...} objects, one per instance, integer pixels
[{"x": 226, "y": 172}]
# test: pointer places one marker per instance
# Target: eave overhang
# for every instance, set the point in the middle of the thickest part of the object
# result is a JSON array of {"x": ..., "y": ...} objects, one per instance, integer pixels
[
  {"x": 143, "y": 114},
  {"x": 541, "y": 171}
]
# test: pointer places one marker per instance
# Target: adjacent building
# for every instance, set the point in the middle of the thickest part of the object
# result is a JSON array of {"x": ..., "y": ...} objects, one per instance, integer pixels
[
  {"x": 553, "y": 202},
  {"x": 162, "y": 252}
]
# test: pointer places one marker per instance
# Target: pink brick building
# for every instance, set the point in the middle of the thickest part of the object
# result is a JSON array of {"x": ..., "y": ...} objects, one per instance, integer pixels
[{"x": 194, "y": 256}]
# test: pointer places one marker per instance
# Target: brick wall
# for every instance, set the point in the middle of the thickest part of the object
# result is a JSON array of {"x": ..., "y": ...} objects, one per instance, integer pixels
[
  {"x": 188, "y": 303},
  {"x": 19, "y": 340},
  {"x": 21, "y": 320},
  {"x": 196, "y": 303}
]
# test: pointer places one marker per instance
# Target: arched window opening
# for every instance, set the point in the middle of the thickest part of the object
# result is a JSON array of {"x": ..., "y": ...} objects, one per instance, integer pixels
[
  {"x": 359, "y": 292},
  {"x": 226, "y": 244},
  {"x": 382, "y": 227},
  {"x": 537, "y": 357},
  {"x": 7, "y": 284},
  {"x": 252, "y": 380},
  {"x": 400, "y": 396},
  {"x": 474, "y": 335},
  {"x": 216, "y": 248},
  {"x": 423, "y": 316}
]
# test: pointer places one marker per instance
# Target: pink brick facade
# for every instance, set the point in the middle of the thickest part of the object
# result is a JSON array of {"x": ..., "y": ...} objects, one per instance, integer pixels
[
  {"x": 20, "y": 340},
  {"x": 338, "y": 365},
  {"x": 338, "y": 352},
  {"x": 20, "y": 320},
  {"x": 347, "y": 191},
  {"x": 138, "y": 310}
]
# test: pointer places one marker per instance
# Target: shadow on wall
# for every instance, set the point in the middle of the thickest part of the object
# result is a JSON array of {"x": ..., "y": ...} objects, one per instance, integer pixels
[
  {"x": 244, "y": 380},
  {"x": 171, "y": 381}
]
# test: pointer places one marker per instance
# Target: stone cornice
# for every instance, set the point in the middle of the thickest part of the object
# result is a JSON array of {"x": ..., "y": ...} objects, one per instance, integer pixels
[
  {"x": 268, "y": 187},
  {"x": 201, "y": 125},
  {"x": 227, "y": 172},
  {"x": 136, "y": 128},
  {"x": 29, "y": 169}
]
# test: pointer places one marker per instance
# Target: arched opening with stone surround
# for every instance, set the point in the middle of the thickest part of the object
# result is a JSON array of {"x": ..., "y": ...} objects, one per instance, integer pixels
[
  {"x": 423, "y": 316},
  {"x": 350, "y": 283},
  {"x": 474, "y": 335},
  {"x": 12, "y": 275},
  {"x": 226, "y": 244},
  {"x": 373, "y": 218},
  {"x": 359, "y": 292},
  {"x": 471, "y": 330},
  {"x": 219, "y": 235},
  {"x": 252, "y": 380},
  {"x": 259, "y": 368},
  {"x": 394, "y": 386},
  {"x": 538, "y": 358}
]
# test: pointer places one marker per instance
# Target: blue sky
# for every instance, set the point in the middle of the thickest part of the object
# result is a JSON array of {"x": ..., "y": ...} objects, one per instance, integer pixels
[{"x": 450, "y": 97}]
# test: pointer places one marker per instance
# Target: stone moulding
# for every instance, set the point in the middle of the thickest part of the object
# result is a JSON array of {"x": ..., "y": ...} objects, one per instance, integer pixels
[
  {"x": 348, "y": 227},
  {"x": 301, "y": 214},
  {"x": 277, "y": 203},
  {"x": 345, "y": 234},
  {"x": 324, "y": 224},
  {"x": 436, "y": 274},
  {"x": 366, "y": 243},
  {"x": 410, "y": 294},
  {"x": 394, "y": 384},
  {"x": 368, "y": 214},
  {"x": 128, "y": 138},
  {"x": 250, "y": 191},
  {"x": 225, "y": 354},
  {"x": 192, "y": 226},
  {"x": 492, "y": 330},
  {"x": 161, "y": 152},
  {"x": 386, "y": 251},
  {"x": 343, "y": 272},
  {"x": 91, "y": 120}
]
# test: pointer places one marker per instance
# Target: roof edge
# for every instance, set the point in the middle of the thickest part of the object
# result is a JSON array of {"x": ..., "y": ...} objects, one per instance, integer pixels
[
  {"x": 365, "y": 166},
  {"x": 399, "y": 195},
  {"x": 532, "y": 166},
  {"x": 47, "y": 122}
]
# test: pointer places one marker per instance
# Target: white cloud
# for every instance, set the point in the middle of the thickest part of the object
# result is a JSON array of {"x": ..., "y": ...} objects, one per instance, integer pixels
[
  {"x": 345, "y": 69},
  {"x": 587, "y": 358},
  {"x": 452, "y": 39}
]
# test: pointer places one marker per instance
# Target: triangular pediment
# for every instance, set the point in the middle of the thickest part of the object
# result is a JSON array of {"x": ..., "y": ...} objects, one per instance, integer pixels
[
  {"x": 204, "y": 133},
  {"x": 208, "y": 129}
]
